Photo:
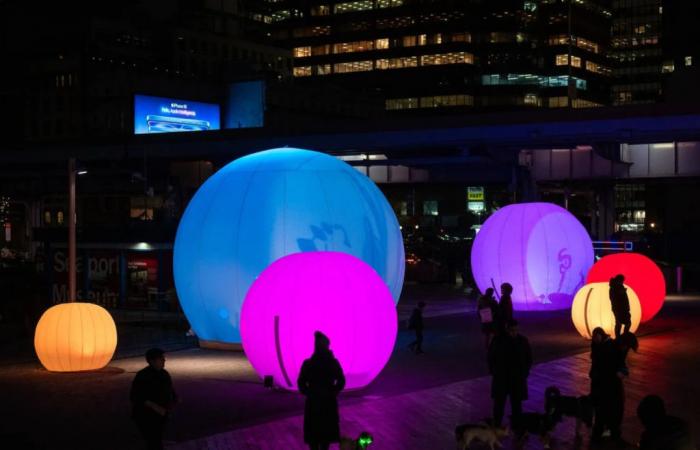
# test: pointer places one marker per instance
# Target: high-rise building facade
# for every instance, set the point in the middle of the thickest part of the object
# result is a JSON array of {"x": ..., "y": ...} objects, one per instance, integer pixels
[
  {"x": 71, "y": 69},
  {"x": 451, "y": 55}
]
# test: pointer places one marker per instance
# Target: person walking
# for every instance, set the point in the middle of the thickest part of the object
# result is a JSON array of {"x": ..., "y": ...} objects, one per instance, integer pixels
[
  {"x": 415, "y": 323},
  {"x": 607, "y": 390},
  {"x": 152, "y": 398},
  {"x": 620, "y": 304},
  {"x": 510, "y": 360},
  {"x": 662, "y": 431},
  {"x": 487, "y": 308},
  {"x": 505, "y": 306},
  {"x": 321, "y": 379}
]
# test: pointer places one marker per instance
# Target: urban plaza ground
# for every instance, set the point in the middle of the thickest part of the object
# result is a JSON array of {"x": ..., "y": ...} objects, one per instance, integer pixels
[{"x": 415, "y": 403}]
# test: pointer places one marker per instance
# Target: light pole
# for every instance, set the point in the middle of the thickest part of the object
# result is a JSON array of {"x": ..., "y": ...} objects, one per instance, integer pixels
[
  {"x": 71, "y": 231},
  {"x": 72, "y": 172}
]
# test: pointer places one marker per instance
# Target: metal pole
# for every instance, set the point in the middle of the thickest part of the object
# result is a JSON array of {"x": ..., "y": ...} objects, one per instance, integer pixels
[
  {"x": 569, "y": 103},
  {"x": 71, "y": 231}
]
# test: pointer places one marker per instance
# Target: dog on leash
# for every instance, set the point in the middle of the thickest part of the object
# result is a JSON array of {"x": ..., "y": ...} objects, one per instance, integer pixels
[
  {"x": 538, "y": 424},
  {"x": 559, "y": 406},
  {"x": 483, "y": 432}
]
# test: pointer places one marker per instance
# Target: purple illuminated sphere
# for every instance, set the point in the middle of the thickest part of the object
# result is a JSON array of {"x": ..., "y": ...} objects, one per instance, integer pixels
[
  {"x": 332, "y": 292},
  {"x": 541, "y": 249}
]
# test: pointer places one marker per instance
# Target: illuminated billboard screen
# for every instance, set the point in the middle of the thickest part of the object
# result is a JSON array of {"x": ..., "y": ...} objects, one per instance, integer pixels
[{"x": 167, "y": 115}]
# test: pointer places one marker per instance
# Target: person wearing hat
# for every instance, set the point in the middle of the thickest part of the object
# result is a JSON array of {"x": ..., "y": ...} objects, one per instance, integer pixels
[
  {"x": 510, "y": 360},
  {"x": 321, "y": 379},
  {"x": 152, "y": 397}
]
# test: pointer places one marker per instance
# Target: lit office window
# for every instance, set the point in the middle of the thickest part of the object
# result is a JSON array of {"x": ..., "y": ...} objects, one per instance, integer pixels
[
  {"x": 667, "y": 67},
  {"x": 422, "y": 39},
  {"x": 350, "y": 47},
  {"x": 688, "y": 60},
  {"x": 401, "y": 103},
  {"x": 597, "y": 68},
  {"x": 447, "y": 58},
  {"x": 531, "y": 100},
  {"x": 389, "y": 3},
  {"x": 347, "y": 7},
  {"x": 304, "y": 71},
  {"x": 301, "y": 52},
  {"x": 319, "y": 50},
  {"x": 562, "y": 60},
  {"x": 320, "y": 10},
  {"x": 409, "y": 41},
  {"x": 323, "y": 69},
  {"x": 381, "y": 44},
  {"x": 461, "y": 37},
  {"x": 397, "y": 63},
  {"x": 441, "y": 101},
  {"x": 354, "y": 66},
  {"x": 59, "y": 217},
  {"x": 47, "y": 217}
]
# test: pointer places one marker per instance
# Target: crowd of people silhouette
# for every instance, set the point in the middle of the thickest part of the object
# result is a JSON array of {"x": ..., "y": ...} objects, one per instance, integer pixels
[{"x": 510, "y": 360}]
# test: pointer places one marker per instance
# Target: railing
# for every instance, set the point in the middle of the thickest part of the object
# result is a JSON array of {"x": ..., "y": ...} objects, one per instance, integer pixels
[{"x": 613, "y": 246}]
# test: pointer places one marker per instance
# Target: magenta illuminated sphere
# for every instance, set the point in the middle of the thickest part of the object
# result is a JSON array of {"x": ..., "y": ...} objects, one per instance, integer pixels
[
  {"x": 541, "y": 249},
  {"x": 332, "y": 292}
]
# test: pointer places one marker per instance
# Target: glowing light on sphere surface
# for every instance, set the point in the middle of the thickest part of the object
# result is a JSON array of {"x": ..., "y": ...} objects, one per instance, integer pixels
[
  {"x": 72, "y": 337},
  {"x": 541, "y": 249},
  {"x": 267, "y": 205},
  {"x": 332, "y": 292},
  {"x": 592, "y": 308},
  {"x": 641, "y": 273}
]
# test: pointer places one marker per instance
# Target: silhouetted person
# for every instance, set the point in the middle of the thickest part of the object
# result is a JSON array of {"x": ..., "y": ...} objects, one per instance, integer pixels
[
  {"x": 488, "y": 315},
  {"x": 620, "y": 304},
  {"x": 607, "y": 390},
  {"x": 510, "y": 360},
  {"x": 505, "y": 306},
  {"x": 661, "y": 431},
  {"x": 152, "y": 397},
  {"x": 415, "y": 323},
  {"x": 320, "y": 380}
]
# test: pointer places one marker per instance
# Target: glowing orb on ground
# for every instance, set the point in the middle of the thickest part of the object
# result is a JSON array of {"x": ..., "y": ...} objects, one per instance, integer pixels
[
  {"x": 541, "y": 249},
  {"x": 331, "y": 292},
  {"x": 267, "y": 205},
  {"x": 641, "y": 273},
  {"x": 72, "y": 337},
  {"x": 592, "y": 309}
]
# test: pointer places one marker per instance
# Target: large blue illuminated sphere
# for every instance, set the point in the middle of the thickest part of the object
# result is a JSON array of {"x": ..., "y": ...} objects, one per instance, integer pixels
[
  {"x": 267, "y": 205},
  {"x": 541, "y": 249}
]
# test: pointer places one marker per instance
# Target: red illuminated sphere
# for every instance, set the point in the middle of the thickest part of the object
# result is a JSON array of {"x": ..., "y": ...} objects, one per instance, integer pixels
[{"x": 641, "y": 274}]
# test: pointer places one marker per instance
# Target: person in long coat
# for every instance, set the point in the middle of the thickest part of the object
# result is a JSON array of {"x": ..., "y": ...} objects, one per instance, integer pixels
[
  {"x": 607, "y": 391},
  {"x": 510, "y": 360},
  {"x": 620, "y": 304},
  {"x": 505, "y": 305},
  {"x": 321, "y": 379}
]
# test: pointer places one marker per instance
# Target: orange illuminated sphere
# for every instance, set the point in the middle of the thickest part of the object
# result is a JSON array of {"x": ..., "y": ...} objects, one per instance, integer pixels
[
  {"x": 641, "y": 274},
  {"x": 592, "y": 309},
  {"x": 72, "y": 337}
]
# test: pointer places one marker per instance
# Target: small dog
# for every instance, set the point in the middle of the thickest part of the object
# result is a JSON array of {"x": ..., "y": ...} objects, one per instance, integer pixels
[
  {"x": 559, "y": 406},
  {"x": 363, "y": 441},
  {"x": 532, "y": 423},
  {"x": 483, "y": 432}
]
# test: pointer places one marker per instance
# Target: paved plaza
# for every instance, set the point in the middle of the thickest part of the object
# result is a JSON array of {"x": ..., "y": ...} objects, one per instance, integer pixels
[{"x": 415, "y": 403}]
